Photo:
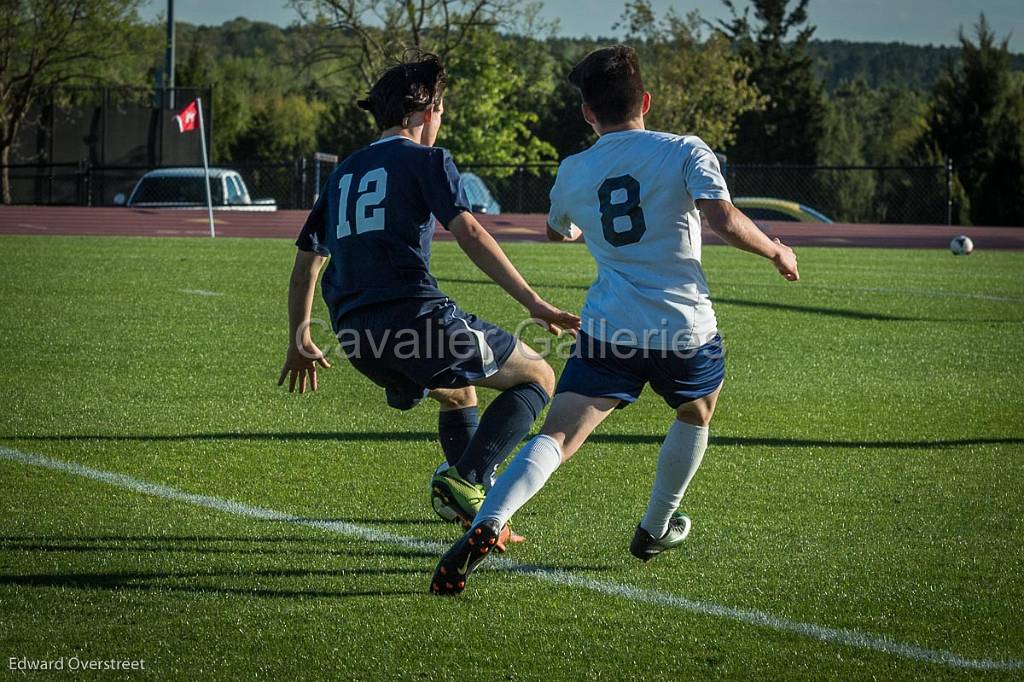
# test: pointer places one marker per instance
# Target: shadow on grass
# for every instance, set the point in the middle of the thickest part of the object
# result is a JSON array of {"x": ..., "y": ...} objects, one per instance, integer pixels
[
  {"x": 290, "y": 546},
  {"x": 828, "y": 312},
  {"x": 775, "y": 305},
  {"x": 199, "y": 581},
  {"x": 419, "y": 436},
  {"x": 194, "y": 582},
  {"x": 432, "y": 521},
  {"x": 210, "y": 581},
  {"x": 158, "y": 544},
  {"x": 636, "y": 439}
]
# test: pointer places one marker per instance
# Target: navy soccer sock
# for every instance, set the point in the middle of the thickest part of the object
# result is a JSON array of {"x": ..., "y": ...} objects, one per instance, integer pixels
[
  {"x": 504, "y": 424},
  {"x": 455, "y": 428}
]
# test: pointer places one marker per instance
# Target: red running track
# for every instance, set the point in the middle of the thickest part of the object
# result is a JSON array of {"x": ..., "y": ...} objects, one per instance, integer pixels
[{"x": 75, "y": 220}]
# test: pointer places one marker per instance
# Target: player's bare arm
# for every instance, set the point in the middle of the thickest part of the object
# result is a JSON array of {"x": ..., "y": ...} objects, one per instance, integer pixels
[
  {"x": 303, "y": 355},
  {"x": 729, "y": 223},
  {"x": 485, "y": 253}
]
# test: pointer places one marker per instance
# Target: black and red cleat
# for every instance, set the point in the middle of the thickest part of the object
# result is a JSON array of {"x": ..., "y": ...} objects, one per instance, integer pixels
[{"x": 464, "y": 556}]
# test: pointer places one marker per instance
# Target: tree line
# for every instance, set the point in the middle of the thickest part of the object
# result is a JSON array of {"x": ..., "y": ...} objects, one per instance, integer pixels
[{"x": 756, "y": 86}]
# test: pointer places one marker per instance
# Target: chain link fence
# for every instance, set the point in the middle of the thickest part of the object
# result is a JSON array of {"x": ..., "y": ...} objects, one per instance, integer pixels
[
  {"x": 87, "y": 145},
  {"x": 289, "y": 184},
  {"x": 866, "y": 194},
  {"x": 852, "y": 194},
  {"x": 110, "y": 126},
  {"x": 516, "y": 189}
]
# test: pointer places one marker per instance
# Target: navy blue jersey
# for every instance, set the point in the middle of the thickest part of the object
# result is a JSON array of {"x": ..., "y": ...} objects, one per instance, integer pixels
[{"x": 375, "y": 219}]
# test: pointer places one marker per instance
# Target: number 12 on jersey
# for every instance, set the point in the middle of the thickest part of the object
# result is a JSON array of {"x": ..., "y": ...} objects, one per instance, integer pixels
[{"x": 369, "y": 210}]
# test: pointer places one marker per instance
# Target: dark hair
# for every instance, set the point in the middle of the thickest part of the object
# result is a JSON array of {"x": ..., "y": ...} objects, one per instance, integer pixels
[
  {"x": 609, "y": 81},
  {"x": 406, "y": 88}
]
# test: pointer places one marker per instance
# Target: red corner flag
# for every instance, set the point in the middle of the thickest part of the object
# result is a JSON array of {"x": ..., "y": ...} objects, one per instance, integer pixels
[{"x": 188, "y": 118}]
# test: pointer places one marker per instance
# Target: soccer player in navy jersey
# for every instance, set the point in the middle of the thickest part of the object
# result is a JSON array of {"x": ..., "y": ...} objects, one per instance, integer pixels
[{"x": 375, "y": 222}]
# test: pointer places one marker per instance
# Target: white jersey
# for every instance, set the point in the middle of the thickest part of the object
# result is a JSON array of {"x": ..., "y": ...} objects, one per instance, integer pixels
[{"x": 632, "y": 194}]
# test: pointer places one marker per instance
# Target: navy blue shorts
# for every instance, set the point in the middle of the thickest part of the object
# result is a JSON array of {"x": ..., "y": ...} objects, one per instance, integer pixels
[
  {"x": 604, "y": 370},
  {"x": 411, "y": 346}
]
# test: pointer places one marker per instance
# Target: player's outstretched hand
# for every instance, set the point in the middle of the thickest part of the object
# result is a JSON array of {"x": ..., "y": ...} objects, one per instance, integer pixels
[
  {"x": 785, "y": 261},
  {"x": 555, "y": 320},
  {"x": 300, "y": 365}
]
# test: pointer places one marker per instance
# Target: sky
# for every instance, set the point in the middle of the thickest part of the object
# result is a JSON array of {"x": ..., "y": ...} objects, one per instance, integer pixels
[{"x": 913, "y": 21}]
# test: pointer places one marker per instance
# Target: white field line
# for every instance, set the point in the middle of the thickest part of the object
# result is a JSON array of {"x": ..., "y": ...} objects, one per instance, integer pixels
[
  {"x": 851, "y": 638},
  {"x": 200, "y": 292}
]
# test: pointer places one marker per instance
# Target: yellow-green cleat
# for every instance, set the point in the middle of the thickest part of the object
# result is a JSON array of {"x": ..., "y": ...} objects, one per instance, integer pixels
[{"x": 455, "y": 499}]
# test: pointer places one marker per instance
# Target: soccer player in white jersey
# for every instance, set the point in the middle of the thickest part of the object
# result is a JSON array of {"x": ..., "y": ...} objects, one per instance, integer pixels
[{"x": 637, "y": 196}]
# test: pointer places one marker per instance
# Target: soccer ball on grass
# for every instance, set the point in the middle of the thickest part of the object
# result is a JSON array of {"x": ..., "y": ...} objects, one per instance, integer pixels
[{"x": 961, "y": 246}]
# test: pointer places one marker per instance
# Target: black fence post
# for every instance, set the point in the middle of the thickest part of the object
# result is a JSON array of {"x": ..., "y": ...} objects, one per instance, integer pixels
[
  {"x": 949, "y": 191},
  {"x": 302, "y": 192},
  {"x": 50, "y": 134},
  {"x": 160, "y": 128},
  {"x": 80, "y": 183},
  {"x": 520, "y": 173},
  {"x": 103, "y": 146}
]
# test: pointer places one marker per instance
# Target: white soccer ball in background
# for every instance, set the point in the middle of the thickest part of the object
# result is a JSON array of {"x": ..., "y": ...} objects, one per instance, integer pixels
[{"x": 961, "y": 246}]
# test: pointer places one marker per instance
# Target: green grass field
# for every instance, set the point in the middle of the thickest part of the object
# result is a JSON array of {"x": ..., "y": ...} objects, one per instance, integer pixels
[{"x": 864, "y": 475}]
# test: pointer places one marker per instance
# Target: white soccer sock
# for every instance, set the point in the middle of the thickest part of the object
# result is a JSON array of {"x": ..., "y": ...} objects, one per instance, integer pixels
[
  {"x": 526, "y": 474},
  {"x": 680, "y": 455}
]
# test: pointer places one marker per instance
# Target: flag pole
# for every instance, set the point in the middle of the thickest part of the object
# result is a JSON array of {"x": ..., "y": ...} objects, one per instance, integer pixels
[{"x": 206, "y": 166}]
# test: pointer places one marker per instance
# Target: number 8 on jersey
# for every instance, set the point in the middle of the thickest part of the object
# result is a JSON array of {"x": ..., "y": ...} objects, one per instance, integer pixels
[{"x": 615, "y": 188}]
